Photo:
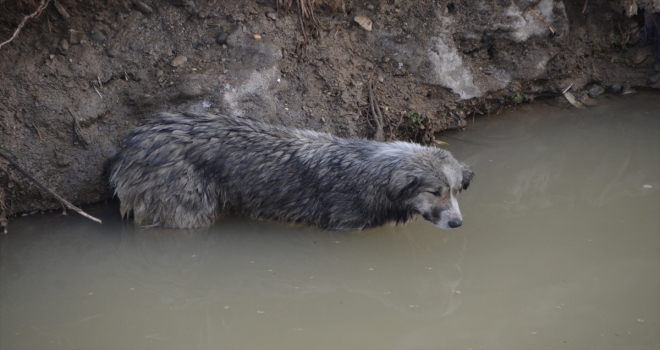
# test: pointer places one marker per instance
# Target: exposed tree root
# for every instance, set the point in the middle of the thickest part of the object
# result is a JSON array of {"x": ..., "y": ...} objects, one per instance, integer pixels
[{"x": 36, "y": 13}]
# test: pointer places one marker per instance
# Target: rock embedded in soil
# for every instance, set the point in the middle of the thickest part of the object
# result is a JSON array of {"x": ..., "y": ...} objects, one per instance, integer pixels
[
  {"x": 364, "y": 22},
  {"x": 144, "y": 8},
  {"x": 639, "y": 57},
  {"x": 179, "y": 60},
  {"x": 112, "y": 53},
  {"x": 596, "y": 90},
  {"x": 627, "y": 89},
  {"x": 222, "y": 38},
  {"x": 98, "y": 37},
  {"x": 64, "y": 44},
  {"x": 62, "y": 10}
]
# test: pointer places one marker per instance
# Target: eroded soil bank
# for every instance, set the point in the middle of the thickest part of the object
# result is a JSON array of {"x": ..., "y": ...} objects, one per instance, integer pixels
[{"x": 83, "y": 73}]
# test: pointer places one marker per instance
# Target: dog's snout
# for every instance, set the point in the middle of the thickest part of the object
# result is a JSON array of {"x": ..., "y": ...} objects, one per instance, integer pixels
[{"x": 455, "y": 223}]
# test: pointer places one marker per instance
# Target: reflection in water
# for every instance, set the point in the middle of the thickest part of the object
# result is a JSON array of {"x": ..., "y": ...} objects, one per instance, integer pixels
[{"x": 560, "y": 249}]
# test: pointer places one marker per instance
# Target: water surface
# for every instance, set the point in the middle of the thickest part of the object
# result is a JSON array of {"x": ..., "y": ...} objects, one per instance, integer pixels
[{"x": 560, "y": 248}]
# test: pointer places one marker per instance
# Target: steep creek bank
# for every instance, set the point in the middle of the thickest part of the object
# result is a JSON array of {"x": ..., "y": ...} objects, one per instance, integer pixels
[{"x": 83, "y": 73}]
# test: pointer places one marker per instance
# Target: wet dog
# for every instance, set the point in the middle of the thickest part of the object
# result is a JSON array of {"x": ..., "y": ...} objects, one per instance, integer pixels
[{"x": 180, "y": 169}]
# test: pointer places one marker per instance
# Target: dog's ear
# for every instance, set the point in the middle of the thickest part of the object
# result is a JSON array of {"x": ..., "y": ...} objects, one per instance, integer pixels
[
  {"x": 467, "y": 176},
  {"x": 402, "y": 186}
]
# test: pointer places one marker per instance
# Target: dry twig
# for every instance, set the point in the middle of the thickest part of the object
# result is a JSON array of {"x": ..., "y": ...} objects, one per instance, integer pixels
[
  {"x": 36, "y": 13},
  {"x": 46, "y": 189},
  {"x": 542, "y": 20}
]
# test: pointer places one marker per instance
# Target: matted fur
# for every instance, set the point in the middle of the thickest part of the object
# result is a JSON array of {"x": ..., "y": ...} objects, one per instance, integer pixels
[{"x": 179, "y": 170}]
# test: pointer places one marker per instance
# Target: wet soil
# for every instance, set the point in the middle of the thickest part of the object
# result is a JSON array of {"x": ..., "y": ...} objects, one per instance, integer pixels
[{"x": 79, "y": 76}]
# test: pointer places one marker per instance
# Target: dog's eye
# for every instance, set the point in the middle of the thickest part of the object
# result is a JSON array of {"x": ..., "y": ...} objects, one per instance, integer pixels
[{"x": 436, "y": 193}]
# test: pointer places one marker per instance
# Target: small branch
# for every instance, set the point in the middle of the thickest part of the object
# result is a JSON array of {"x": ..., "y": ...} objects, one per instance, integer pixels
[
  {"x": 46, "y": 189},
  {"x": 542, "y": 20},
  {"x": 97, "y": 91},
  {"x": 36, "y": 13}
]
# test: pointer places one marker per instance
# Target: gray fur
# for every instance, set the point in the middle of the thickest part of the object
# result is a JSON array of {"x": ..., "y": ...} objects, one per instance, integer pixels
[{"x": 180, "y": 170}]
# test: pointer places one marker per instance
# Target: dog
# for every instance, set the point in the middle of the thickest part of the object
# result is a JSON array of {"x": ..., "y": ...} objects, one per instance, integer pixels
[{"x": 180, "y": 170}]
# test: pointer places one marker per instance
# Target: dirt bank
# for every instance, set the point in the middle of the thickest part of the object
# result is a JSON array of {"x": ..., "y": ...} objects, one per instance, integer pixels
[{"x": 83, "y": 73}]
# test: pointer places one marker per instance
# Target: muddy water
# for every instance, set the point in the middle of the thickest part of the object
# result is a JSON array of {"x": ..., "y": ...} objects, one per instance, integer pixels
[{"x": 560, "y": 248}]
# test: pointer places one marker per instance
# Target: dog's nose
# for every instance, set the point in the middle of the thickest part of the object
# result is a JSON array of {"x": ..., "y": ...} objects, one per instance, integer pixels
[{"x": 455, "y": 223}]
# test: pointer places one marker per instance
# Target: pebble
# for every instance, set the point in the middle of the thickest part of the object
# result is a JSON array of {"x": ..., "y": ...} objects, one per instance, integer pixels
[
  {"x": 125, "y": 7},
  {"x": 588, "y": 101},
  {"x": 236, "y": 17},
  {"x": 364, "y": 22},
  {"x": 179, "y": 60},
  {"x": 112, "y": 52},
  {"x": 639, "y": 57},
  {"x": 222, "y": 38},
  {"x": 272, "y": 15},
  {"x": 616, "y": 87},
  {"x": 627, "y": 89},
  {"x": 257, "y": 36},
  {"x": 144, "y": 8},
  {"x": 62, "y": 10},
  {"x": 98, "y": 37},
  {"x": 596, "y": 90},
  {"x": 64, "y": 44}
]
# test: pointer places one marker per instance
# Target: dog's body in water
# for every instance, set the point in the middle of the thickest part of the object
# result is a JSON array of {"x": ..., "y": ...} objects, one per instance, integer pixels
[{"x": 180, "y": 169}]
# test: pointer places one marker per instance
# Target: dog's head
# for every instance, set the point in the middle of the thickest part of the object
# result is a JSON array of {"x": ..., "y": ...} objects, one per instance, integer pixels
[{"x": 430, "y": 189}]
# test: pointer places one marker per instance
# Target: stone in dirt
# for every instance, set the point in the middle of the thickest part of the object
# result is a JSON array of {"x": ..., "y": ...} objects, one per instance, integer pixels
[
  {"x": 364, "y": 22},
  {"x": 179, "y": 60},
  {"x": 144, "y": 8}
]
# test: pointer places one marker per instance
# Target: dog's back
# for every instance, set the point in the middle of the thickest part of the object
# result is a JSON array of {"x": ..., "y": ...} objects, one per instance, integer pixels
[{"x": 177, "y": 169}]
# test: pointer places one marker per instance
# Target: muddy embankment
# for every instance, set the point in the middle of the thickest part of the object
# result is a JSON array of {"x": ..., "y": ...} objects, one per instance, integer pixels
[{"x": 83, "y": 73}]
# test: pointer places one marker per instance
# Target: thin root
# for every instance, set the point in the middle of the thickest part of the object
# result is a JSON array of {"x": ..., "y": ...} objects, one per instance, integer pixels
[{"x": 36, "y": 13}]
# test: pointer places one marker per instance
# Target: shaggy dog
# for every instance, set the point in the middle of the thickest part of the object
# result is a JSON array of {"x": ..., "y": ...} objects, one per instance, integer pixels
[{"x": 179, "y": 170}]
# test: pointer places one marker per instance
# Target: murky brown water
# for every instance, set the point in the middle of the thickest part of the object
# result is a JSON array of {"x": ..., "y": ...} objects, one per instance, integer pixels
[{"x": 560, "y": 248}]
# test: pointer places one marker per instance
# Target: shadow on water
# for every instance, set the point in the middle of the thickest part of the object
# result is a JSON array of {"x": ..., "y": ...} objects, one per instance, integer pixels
[{"x": 560, "y": 249}]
